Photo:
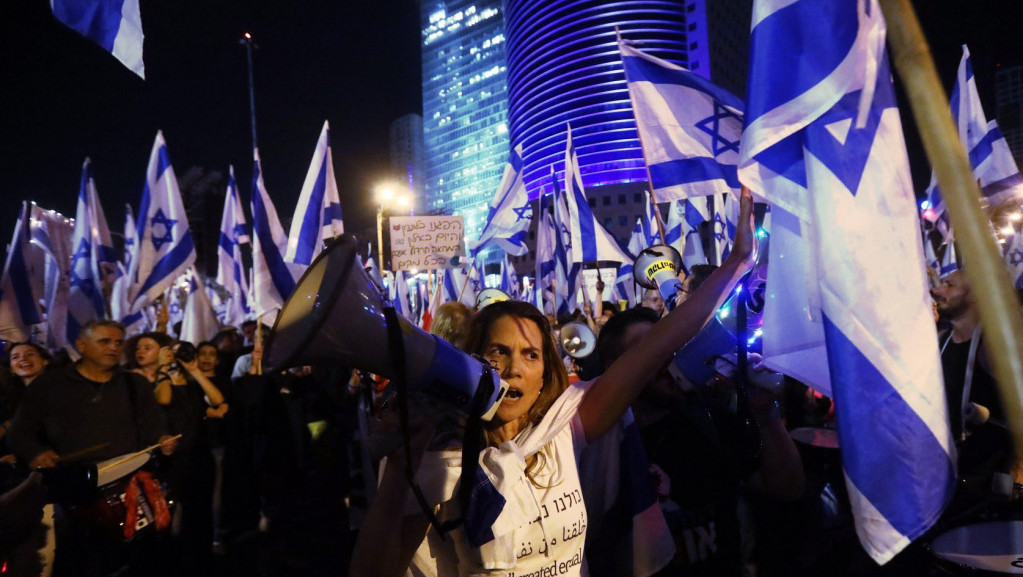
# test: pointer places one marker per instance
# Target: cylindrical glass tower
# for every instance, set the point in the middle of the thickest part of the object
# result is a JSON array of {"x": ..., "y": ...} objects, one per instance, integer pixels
[{"x": 564, "y": 67}]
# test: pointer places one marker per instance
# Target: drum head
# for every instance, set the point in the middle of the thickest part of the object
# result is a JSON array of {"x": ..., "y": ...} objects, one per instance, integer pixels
[
  {"x": 993, "y": 546},
  {"x": 118, "y": 467},
  {"x": 816, "y": 437}
]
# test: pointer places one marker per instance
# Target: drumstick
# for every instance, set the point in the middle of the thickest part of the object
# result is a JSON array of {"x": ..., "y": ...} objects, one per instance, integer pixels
[
  {"x": 85, "y": 451},
  {"x": 136, "y": 454}
]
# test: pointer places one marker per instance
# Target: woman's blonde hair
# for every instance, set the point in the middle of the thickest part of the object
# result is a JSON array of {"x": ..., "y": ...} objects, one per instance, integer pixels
[
  {"x": 555, "y": 377},
  {"x": 451, "y": 322}
]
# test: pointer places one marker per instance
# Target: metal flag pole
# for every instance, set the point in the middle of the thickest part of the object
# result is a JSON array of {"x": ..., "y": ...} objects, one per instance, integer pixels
[
  {"x": 250, "y": 45},
  {"x": 988, "y": 277}
]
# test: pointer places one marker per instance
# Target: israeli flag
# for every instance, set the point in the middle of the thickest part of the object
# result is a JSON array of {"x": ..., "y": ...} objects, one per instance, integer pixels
[
  {"x": 824, "y": 144},
  {"x": 93, "y": 265},
  {"x": 199, "y": 322},
  {"x": 165, "y": 241},
  {"x": 19, "y": 303},
  {"x": 684, "y": 220},
  {"x": 1012, "y": 252},
  {"x": 689, "y": 127},
  {"x": 638, "y": 240},
  {"x": 116, "y": 25},
  {"x": 399, "y": 295},
  {"x": 726, "y": 212},
  {"x": 230, "y": 269},
  {"x": 273, "y": 279},
  {"x": 457, "y": 286},
  {"x": 590, "y": 241},
  {"x": 989, "y": 154},
  {"x": 510, "y": 212},
  {"x": 51, "y": 233},
  {"x": 509, "y": 279},
  {"x": 562, "y": 273},
  {"x": 318, "y": 214},
  {"x": 650, "y": 226},
  {"x": 120, "y": 307}
]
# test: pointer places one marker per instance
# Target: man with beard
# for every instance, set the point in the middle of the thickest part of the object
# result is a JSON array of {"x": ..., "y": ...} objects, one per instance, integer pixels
[{"x": 974, "y": 407}]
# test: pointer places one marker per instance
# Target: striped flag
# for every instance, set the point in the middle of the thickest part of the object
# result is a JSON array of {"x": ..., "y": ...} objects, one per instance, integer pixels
[
  {"x": 650, "y": 226},
  {"x": 510, "y": 212},
  {"x": 689, "y": 127},
  {"x": 989, "y": 154},
  {"x": 1012, "y": 253},
  {"x": 116, "y": 25},
  {"x": 19, "y": 303},
  {"x": 590, "y": 241},
  {"x": 165, "y": 249},
  {"x": 120, "y": 307},
  {"x": 273, "y": 279},
  {"x": 684, "y": 220},
  {"x": 93, "y": 265},
  {"x": 318, "y": 214},
  {"x": 51, "y": 232},
  {"x": 823, "y": 142},
  {"x": 399, "y": 295},
  {"x": 509, "y": 279},
  {"x": 230, "y": 268}
]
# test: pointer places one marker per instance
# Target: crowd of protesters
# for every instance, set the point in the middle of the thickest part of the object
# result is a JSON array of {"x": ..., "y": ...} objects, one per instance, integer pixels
[{"x": 274, "y": 473}]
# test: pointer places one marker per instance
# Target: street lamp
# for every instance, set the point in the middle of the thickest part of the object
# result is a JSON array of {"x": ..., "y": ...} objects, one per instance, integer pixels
[{"x": 390, "y": 196}]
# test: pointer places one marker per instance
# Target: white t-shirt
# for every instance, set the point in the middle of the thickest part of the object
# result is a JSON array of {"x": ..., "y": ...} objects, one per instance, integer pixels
[{"x": 551, "y": 546}]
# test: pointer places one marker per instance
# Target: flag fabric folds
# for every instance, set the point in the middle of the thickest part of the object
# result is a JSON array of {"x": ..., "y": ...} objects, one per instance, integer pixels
[
  {"x": 689, "y": 127},
  {"x": 987, "y": 149},
  {"x": 510, "y": 213},
  {"x": 199, "y": 322},
  {"x": 590, "y": 241},
  {"x": 273, "y": 279},
  {"x": 51, "y": 233},
  {"x": 116, "y": 25},
  {"x": 318, "y": 213},
  {"x": 19, "y": 303},
  {"x": 823, "y": 143},
  {"x": 165, "y": 250},
  {"x": 230, "y": 269},
  {"x": 93, "y": 265}
]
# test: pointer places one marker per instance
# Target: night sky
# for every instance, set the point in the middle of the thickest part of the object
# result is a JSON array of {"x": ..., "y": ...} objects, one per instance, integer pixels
[{"x": 353, "y": 63}]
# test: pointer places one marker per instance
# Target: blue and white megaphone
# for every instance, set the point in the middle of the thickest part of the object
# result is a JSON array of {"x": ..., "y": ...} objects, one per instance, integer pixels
[
  {"x": 336, "y": 316},
  {"x": 657, "y": 268},
  {"x": 694, "y": 362}
]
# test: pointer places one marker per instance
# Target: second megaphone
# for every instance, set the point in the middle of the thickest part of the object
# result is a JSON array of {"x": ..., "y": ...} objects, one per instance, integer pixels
[
  {"x": 657, "y": 268},
  {"x": 336, "y": 316}
]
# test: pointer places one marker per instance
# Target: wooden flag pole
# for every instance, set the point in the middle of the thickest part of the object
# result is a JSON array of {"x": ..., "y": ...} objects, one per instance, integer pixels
[
  {"x": 989, "y": 279},
  {"x": 472, "y": 268}
]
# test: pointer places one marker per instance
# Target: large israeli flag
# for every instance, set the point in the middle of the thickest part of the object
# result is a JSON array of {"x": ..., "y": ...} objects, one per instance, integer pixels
[
  {"x": 230, "y": 268},
  {"x": 590, "y": 241},
  {"x": 165, "y": 249},
  {"x": 93, "y": 264},
  {"x": 689, "y": 127},
  {"x": 19, "y": 303},
  {"x": 824, "y": 144},
  {"x": 273, "y": 279},
  {"x": 116, "y": 25},
  {"x": 510, "y": 212},
  {"x": 318, "y": 213},
  {"x": 989, "y": 154}
]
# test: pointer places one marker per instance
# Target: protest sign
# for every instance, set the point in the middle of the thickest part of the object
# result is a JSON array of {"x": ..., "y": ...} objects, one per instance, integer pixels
[{"x": 426, "y": 242}]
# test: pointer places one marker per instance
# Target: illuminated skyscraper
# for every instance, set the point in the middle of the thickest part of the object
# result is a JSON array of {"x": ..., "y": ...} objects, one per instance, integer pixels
[
  {"x": 465, "y": 130},
  {"x": 406, "y": 137},
  {"x": 564, "y": 67}
]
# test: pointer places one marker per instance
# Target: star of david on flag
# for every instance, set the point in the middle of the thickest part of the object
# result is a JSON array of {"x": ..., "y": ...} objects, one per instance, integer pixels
[
  {"x": 689, "y": 127},
  {"x": 510, "y": 214},
  {"x": 823, "y": 143},
  {"x": 318, "y": 213},
  {"x": 165, "y": 248},
  {"x": 230, "y": 268}
]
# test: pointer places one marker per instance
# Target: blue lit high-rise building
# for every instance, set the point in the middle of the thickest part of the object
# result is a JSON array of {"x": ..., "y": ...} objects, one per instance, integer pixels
[
  {"x": 465, "y": 130},
  {"x": 564, "y": 67}
]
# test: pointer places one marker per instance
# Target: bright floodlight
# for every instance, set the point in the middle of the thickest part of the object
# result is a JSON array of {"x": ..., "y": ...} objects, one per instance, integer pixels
[{"x": 385, "y": 193}]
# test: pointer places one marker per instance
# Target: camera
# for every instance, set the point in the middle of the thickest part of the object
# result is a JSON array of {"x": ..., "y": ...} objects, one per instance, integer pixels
[{"x": 185, "y": 352}]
